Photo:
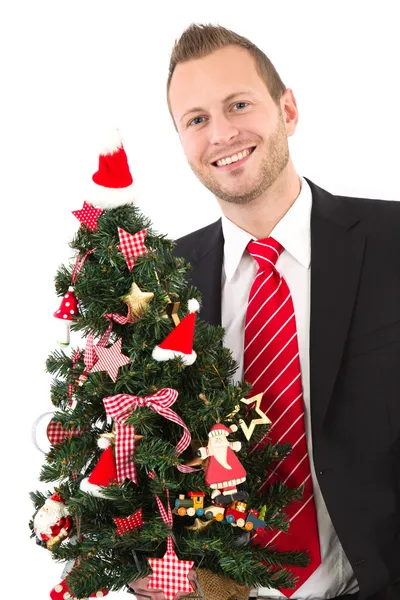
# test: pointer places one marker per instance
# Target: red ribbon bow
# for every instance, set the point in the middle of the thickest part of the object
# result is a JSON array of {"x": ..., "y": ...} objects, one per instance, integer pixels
[{"x": 119, "y": 407}]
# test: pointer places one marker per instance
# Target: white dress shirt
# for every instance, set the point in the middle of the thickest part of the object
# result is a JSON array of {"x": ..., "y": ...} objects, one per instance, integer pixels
[{"x": 334, "y": 576}]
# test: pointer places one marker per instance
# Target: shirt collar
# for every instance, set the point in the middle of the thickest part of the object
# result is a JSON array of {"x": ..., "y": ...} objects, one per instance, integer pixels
[{"x": 293, "y": 231}]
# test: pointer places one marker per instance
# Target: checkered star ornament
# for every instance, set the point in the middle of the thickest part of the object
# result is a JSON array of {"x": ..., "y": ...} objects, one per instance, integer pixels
[
  {"x": 110, "y": 359},
  {"x": 132, "y": 245},
  {"x": 170, "y": 574},
  {"x": 88, "y": 215}
]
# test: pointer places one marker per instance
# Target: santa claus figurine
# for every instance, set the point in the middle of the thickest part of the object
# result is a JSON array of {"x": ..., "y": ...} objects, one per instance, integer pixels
[
  {"x": 224, "y": 470},
  {"x": 52, "y": 523}
]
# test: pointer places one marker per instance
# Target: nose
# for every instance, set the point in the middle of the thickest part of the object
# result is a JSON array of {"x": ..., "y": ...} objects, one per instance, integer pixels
[{"x": 222, "y": 130}]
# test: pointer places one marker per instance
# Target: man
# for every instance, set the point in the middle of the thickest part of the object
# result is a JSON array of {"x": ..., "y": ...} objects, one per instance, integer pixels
[{"x": 338, "y": 258}]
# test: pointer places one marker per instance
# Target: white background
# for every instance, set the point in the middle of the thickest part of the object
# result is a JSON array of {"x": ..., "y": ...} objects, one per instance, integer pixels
[{"x": 69, "y": 67}]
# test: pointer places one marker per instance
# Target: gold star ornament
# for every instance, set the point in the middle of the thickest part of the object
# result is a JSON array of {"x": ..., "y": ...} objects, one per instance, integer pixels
[
  {"x": 263, "y": 420},
  {"x": 137, "y": 301},
  {"x": 199, "y": 525}
]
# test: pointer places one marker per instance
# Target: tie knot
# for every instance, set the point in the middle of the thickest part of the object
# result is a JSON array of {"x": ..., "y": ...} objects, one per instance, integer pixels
[{"x": 265, "y": 251}]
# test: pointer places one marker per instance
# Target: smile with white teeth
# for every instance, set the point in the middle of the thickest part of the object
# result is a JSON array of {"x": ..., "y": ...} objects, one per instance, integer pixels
[{"x": 230, "y": 159}]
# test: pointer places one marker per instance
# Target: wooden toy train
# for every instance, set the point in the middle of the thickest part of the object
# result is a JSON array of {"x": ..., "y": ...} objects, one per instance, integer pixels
[{"x": 236, "y": 514}]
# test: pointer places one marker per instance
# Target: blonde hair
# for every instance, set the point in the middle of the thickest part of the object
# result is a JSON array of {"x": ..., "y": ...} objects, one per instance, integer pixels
[{"x": 200, "y": 40}]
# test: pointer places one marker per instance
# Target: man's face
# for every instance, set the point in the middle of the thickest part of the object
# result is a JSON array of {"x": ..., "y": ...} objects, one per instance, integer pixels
[{"x": 222, "y": 107}]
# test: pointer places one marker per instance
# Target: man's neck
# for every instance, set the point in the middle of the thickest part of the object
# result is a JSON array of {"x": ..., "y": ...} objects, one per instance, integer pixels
[{"x": 260, "y": 216}]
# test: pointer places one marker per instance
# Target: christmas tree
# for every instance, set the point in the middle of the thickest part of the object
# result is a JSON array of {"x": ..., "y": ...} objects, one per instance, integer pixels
[{"x": 143, "y": 416}]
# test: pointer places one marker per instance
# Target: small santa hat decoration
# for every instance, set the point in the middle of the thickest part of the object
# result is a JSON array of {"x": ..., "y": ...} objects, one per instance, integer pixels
[
  {"x": 220, "y": 429},
  {"x": 112, "y": 184},
  {"x": 102, "y": 475},
  {"x": 180, "y": 341},
  {"x": 67, "y": 313},
  {"x": 56, "y": 498}
]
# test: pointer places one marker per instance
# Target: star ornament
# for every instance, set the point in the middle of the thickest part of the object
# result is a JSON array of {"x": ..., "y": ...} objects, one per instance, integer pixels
[
  {"x": 132, "y": 245},
  {"x": 110, "y": 360},
  {"x": 137, "y": 301},
  {"x": 88, "y": 215},
  {"x": 263, "y": 420},
  {"x": 170, "y": 575}
]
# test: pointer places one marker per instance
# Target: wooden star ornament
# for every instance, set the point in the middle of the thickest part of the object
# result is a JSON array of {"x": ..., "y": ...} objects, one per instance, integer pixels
[
  {"x": 263, "y": 420},
  {"x": 137, "y": 301}
]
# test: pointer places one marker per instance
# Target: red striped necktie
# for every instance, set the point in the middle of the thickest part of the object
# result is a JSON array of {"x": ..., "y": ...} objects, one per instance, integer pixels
[{"x": 272, "y": 366}]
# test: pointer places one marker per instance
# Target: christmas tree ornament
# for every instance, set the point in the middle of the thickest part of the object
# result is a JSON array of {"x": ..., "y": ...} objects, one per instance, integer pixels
[
  {"x": 137, "y": 301},
  {"x": 169, "y": 573},
  {"x": 119, "y": 408},
  {"x": 112, "y": 184},
  {"x": 68, "y": 310},
  {"x": 52, "y": 522},
  {"x": 56, "y": 433},
  {"x": 172, "y": 312},
  {"x": 263, "y": 420},
  {"x": 191, "y": 506},
  {"x": 88, "y": 215},
  {"x": 128, "y": 523},
  {"x": 62, "y": 592},
  {"x": 200, "y": 525},
  {"x": 224, "y": 470},
  {"x": 110, "y": 359},
  {"x": 132, "y": 245},
  {"x": 67, "y": 313},
  {"x": 179, "y": 343},
  {"x": 102, "y": 475}
]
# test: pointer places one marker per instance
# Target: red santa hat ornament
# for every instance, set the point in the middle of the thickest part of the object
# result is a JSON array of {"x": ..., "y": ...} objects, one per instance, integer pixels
[
  {"x": 67, "y": 313},
  {"x": 102, "y": 475},
  {"x": 180, "y": 341},
  {"x": 112, "y": 184}
]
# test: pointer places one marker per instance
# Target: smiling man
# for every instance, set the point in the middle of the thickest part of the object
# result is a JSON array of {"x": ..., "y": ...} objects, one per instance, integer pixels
[{"x": 307, "y": 287}]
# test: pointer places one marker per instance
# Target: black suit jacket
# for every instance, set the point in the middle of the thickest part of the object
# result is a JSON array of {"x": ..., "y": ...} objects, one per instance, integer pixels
[{"x": 354, "y": 370}]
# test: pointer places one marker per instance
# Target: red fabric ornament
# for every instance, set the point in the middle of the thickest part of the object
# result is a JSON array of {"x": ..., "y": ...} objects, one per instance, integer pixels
[
  {"x": 170, "y": 574},
  {"x": 102, "y": 475},
  {"x": 110, "y": 359},
  {"x": 180, "y": 341},
  {"x": 57, "y": 433},
  {"x": 132, "y": 245},
  {"x": 132, "y": 522},
  {"x": 88, "y": 215},
  {"x": 112, "y": 184},
  {"x": 62, "y": 592}
]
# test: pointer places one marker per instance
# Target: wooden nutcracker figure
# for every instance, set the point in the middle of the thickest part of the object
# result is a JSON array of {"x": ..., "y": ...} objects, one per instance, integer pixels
[{"x": 224, "y": 471}]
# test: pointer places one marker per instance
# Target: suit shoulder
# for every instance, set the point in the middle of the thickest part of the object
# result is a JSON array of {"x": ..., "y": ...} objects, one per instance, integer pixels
[
  {"x": 187, "y": 244},
  {"x": 375, "y": 213}
]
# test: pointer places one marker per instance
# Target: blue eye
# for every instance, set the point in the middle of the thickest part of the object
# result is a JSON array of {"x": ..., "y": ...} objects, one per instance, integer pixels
[
  {"x": 195, "y": 119},
  {"x": 241, "y": 103}
]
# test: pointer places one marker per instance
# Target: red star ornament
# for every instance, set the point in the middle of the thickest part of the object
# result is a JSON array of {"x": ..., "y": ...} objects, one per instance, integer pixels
[
  {"x": 110, "y": 359},
  {"x": 132, "y": 245},
  {"x": 88, "y": 215},
  {"x": 170, "y": 574}
]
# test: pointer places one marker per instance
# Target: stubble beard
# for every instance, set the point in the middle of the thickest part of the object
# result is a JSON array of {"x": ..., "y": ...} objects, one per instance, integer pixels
[{"x": 273, "y": 162}]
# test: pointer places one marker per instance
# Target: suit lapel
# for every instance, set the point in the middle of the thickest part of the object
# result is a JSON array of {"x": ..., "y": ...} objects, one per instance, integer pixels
[{"x": 337, "y": 248}]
